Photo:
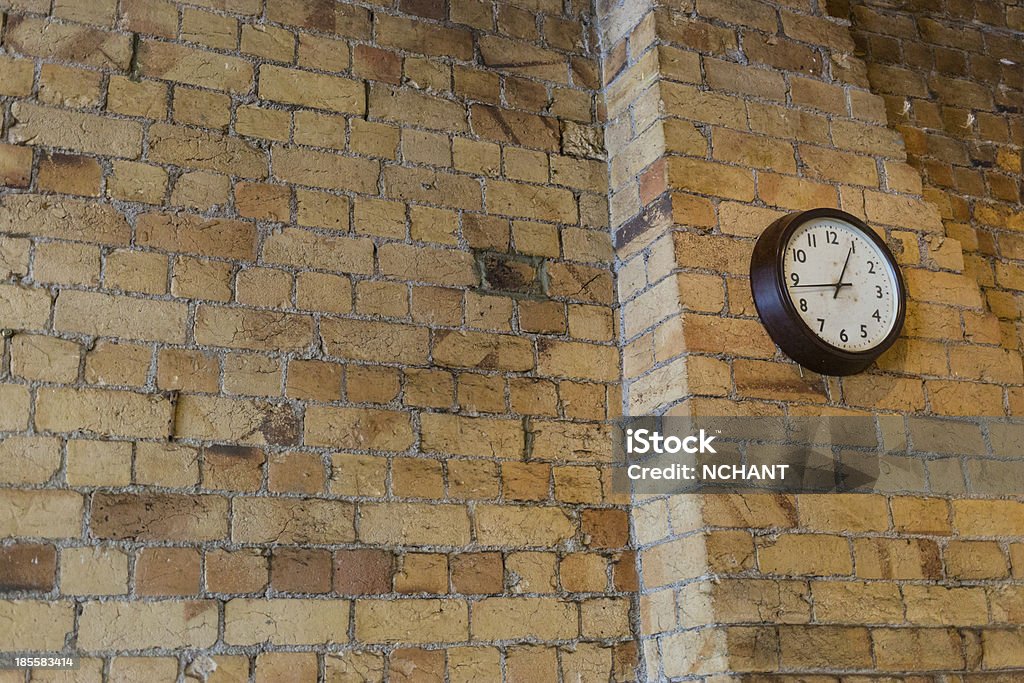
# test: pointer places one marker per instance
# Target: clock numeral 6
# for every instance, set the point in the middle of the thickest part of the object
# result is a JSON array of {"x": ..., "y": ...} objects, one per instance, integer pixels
[{"x": 843, "y": 335}]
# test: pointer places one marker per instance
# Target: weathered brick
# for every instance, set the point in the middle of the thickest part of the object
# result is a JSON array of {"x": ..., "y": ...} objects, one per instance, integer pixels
[
  {"x": 159, "y": 517},
  {"x": 509, "y": 618},
  {"x": 31, "y": 460},
  {"x": 23, "y": 307},
  {"x": 195, "y": 67},
  {"x": 308, "y": 249},
  {"x": 322, "y": 15},
  {"x": 307, "y": 89},
  {"x": 434, "y": 187},
  {"x": 142, "y": 625},
  {"x": 415, "y": 109},
  {"x": 35, "y": 624},
  {"x": 71, "y": 42},
  {"x": 413, "y": 620},
  {"x": 236, "y": 420},
  {"x": 120, "y": 316},
  {"x": 28, "y": 566},
  {"x": 423, "y": 38},
  {"x": 205, "y": 150},
  {"x": 108, "y": 413},
  {"x": 515, "y": 128},
  {"x": 329, "y": 171},
  {"x": 358, "y": 428},
  {"x": 414, "y": 524},
  {"x": 71, "y": 130},
  {"x": 256, "y": 330}
]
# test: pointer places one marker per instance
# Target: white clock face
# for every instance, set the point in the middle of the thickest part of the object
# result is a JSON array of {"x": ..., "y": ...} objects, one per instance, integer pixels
[{"x": 841, "y": 284}]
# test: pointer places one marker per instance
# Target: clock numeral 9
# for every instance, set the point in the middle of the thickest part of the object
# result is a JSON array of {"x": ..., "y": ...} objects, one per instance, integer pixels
[{"x": 795, "y": 278}]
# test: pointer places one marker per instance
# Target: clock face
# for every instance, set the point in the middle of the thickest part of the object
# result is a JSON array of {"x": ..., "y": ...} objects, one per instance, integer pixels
[{"x": 841, "y": 283}]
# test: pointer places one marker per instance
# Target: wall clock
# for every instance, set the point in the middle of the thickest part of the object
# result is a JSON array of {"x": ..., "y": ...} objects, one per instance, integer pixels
[{"x": 828, "y": 290}]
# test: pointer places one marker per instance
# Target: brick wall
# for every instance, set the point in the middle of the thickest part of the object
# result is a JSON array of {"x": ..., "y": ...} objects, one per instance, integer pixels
[
  {"x": 951, "y": 77},
  {"x": 308, "y": 334},
  {"x": 314, "y": 311},
  {"x": 722, "y": 117}
]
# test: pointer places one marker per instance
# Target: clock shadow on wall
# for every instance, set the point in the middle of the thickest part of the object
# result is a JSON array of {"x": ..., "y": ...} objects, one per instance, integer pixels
[{"x": 828, "y": 290}]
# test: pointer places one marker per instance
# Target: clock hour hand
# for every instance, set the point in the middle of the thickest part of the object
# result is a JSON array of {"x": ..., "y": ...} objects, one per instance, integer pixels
[{"x": 839, "y": 283}]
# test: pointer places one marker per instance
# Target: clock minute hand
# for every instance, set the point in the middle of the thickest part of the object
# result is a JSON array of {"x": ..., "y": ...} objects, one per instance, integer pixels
[
  {"x": 822, "y": 284},
  {"x": 839, "y": 283}
]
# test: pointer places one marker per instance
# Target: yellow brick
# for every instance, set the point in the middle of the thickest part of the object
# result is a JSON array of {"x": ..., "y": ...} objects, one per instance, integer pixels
[
  {"x": 120, "y": 316},
  {"x": 307, "y": 89},
  {"x": 47, "y": 514},
  {"x": 205, "y": 150},
  {"x": 307, "y": 249},
  {"x": 358, "y": 428},
  {"x": 210, "y": 29},
  {"x": 511, "y": 618},
  {"x": 67, "y": 263},
  {"x": 35, "y": 624},
  {"x": 138, "y": 625},
  {"x": 374, "y": 341},
  {"x": 285, "y": 622},
  {"x": 258, "y": 122},
  {"x": 80, "y": 132},
  {"x": 530, "y": 201},
  {"x": 30, "y": 460},
  {"x": 103, "y": 412},
  {"x": 70, "y": 42},
  {"x": 255, "y": 330},
  {"x": 99, "y": 463},
  {"x": 268, "y": 42},
  {"x": 19, "y": 74},
  {"x": 118, "y": 364},
  {"x": 201, "y": 108},
  {"x": 135, "y": 182},
  {"x": 411, "y": 621},
  {"x": 195, "y": 67},
  {"x": 94, "y": 571},
  {"x": 815, "y": 554},
  {"x": 67, "y": 87},
  {"x": 414, "y": 524},
  {"x": 434, "y": 187},
  {"x": 44, "y": 358},
  {"x": 329, "y": 171},
  {"x": 292, "y": 520}
]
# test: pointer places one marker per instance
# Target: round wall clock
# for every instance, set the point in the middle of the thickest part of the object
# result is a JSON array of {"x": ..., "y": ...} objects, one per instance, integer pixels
[{"x": 828, "y": 290}]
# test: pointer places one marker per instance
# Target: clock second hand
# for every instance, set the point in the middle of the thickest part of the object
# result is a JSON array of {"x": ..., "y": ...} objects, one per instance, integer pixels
[{"x": 839, "y": 283}]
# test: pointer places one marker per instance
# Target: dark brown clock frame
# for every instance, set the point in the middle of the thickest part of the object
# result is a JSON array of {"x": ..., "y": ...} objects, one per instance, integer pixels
[{"x": 779, "y": 314}]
